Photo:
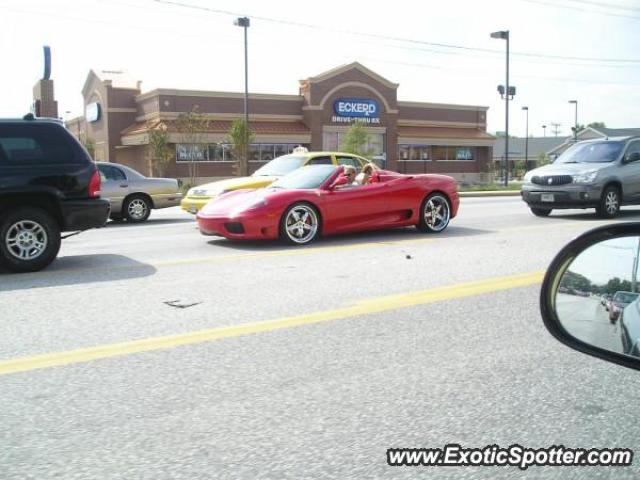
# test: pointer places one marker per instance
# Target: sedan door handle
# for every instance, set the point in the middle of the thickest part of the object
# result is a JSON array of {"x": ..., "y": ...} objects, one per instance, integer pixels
[{"x": 123, "y": 185}]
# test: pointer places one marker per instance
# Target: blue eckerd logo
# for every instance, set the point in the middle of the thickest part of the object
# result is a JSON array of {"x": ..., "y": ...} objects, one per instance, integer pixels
[{"x": 356, "y": 107}]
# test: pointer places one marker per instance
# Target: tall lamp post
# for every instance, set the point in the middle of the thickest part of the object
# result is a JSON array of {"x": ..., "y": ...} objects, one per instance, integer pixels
[
  {"x": 575, "y": 128},
  {"x": 526, "y": 142},
  {"x": 504, "y": 34},
  {"x": 544, "y": 130},
  {"x": 244, "y": 22}
]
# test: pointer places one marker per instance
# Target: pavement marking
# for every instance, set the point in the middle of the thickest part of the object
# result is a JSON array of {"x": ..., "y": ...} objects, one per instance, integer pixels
[{"x": 359, "y": 308}]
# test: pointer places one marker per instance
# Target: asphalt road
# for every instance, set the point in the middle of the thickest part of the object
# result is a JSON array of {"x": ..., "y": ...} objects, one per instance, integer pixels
[{"x": 152, "y": 352}]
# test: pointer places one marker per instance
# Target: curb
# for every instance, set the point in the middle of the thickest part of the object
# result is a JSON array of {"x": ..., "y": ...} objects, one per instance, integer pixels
[{"x": 507, "y": 193}]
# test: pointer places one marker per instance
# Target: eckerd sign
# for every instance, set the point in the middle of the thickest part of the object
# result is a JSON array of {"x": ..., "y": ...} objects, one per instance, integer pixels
[{"x": 356, "y": 107}]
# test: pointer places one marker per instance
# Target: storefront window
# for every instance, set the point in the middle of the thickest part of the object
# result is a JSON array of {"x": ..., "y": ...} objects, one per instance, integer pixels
[
  {"x": 266, "y": 152},
  {"x": 254, "y": 152},
  {"x": 215, "y": 153},
  {"x": 280, "y": 150},
  {"x": 464, "y": 153},
  {"x": 439, "y": 153},
  {"x": 414, "y": 152},
  {"x": 191, "y": 152}
]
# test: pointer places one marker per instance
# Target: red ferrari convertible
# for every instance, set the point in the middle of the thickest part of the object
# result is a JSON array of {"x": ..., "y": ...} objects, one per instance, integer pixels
[{"x": 317, "y": 200}]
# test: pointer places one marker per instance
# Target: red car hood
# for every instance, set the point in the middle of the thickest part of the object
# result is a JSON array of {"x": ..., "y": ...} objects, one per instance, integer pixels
[{"x": 234, "y": 201}]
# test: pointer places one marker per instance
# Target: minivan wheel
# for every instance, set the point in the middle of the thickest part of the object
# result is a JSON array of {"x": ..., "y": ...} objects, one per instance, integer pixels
[
  {"x": 29, "y": 239},
  {"x": 609, "y": 203},
  {"x": 540, "y": 212}
]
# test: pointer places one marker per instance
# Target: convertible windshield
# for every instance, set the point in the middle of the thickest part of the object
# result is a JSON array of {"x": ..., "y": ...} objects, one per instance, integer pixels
[
  {"x": 596, "y": 152},
  {"x": 280, "y": 166},
  {"x": 305, "y": 178}
]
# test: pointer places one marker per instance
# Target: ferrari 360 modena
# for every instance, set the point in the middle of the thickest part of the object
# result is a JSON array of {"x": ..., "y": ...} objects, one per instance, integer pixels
[{"x": 316, "y": 200}]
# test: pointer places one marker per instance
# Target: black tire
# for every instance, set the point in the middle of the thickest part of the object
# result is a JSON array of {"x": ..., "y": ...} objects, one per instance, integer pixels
[
  {"x": 136, "y": 209},
  {"x": 31, "y": 233},
  {"x": 296, "y": 235},
  {"x": 609, "y": 205},
  {"x": 540, "y": 212},
  {"x": 438, "y": 204}
]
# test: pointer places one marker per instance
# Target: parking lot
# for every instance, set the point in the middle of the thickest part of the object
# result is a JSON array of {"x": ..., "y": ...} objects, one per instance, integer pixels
[{"x": 151, "y": 351}]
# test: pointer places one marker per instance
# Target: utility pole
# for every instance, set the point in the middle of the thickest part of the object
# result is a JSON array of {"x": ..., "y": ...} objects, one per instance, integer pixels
[{"x": 556, "y": 128}]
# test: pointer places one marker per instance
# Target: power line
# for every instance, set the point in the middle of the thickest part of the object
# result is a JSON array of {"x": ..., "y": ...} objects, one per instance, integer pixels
[
  {"x": 572, "y": 7},
  {"x": 619, "y": 6},
  {"x": 392, "y": 38}
]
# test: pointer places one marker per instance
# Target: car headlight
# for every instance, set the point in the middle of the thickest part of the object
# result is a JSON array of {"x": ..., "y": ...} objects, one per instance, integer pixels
[{"x": 587, "y": 177}]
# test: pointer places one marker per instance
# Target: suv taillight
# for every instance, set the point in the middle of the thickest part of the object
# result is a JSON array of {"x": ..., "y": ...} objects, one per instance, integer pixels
[{"x": 94, "y": 185}]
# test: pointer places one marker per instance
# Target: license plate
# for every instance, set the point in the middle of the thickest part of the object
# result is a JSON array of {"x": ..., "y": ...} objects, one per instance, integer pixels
[
  {"x": 193, "y": 209},
  {"x": 546, "y": 197}
]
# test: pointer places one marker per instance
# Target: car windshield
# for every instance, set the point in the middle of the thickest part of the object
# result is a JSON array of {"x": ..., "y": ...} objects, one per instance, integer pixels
[
  {"x": 280, "y": 166},
  {"x": 592, "y": 152},
  {"x": 305, "y": 178},
  {"x": 625, "y": 297}
]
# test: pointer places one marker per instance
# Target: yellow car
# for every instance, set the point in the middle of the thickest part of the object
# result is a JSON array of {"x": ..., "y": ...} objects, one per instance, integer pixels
[{"x": 199, "y": 196}]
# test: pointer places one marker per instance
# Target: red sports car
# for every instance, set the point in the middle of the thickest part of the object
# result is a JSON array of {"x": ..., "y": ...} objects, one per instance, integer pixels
[{"x": 318, "y": 200}]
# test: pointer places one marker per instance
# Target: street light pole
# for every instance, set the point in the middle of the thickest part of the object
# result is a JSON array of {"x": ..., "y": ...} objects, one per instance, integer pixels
[
  {"x": 504, "y": 34},
  {"x": 544, "y": 130},
  {"x": 244, "y": 22},
  {"x": 575, "y": 128},
  {"x": 526, "y": 142}
]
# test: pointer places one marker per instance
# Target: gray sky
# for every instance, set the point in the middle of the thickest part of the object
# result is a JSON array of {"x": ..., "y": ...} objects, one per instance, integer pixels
[
  {"x": 606, "y": 260},
  {"x": 576, "y": 49}
]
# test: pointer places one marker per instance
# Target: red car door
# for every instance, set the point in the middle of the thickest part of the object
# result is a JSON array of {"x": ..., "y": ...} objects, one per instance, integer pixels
[{"x": 356, "y": 208}]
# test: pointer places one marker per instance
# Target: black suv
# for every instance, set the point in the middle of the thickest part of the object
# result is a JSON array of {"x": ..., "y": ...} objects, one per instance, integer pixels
[{"x": 48, "y": 185}]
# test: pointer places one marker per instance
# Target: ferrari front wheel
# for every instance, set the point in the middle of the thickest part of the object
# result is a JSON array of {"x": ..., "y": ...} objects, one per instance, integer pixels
[
  {"x": 300, "y": 224},
  {"x": 435, "y": 213}
]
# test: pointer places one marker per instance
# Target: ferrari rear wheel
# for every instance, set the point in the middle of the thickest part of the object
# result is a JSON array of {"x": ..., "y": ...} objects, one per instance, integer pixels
[
  {"x": 435, "y": 213},
  {"x": 300, "y": 224}
]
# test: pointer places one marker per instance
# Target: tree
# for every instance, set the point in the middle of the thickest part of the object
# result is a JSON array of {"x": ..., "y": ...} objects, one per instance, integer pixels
[
  {"x": 240, "y": 137},
  {"x": 88, "y": 144},
  {"x": 597, "y": 125},
  {"x": 356, "y": 140},
  {"x": 543, "y": 159},
  {"x": 193, "y": 126},
  {"x": 160, "y": 152}
]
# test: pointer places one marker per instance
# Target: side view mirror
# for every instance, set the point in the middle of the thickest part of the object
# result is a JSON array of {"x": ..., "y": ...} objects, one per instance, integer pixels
[
  {"x": 590, "y": 298},
  {"x": 632, "y": 157}
]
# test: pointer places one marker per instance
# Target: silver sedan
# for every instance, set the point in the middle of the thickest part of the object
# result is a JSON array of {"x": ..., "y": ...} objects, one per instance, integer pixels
[{"x": 132, "y": 195}]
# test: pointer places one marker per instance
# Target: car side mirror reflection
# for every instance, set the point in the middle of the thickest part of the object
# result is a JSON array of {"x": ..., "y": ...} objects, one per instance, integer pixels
[
  {"x": 590, "y": 297},
  {"x": 632, "y": 157}
]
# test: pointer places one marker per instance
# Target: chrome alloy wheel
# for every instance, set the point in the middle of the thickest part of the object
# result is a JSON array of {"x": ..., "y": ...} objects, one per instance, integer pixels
[
  {"x": 137, "y": 209},
  {"x": 437, "y": 213},
  {"x": 26, "y": 240},
  {"x": 301, "y": 224},
  {"x": 611, "y": 202}
]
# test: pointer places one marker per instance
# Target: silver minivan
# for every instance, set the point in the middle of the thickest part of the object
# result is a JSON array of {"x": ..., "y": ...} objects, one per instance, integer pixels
[{"x": 602, "y": 174}]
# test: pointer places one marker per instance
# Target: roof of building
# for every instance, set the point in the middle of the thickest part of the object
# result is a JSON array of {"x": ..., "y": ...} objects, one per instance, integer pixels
[
  {"x": 221, "y": 126},
  {"x": 618, "y": 132},
  {"x": 536, "y": 146},
  {"x": 118, "y": 78}
]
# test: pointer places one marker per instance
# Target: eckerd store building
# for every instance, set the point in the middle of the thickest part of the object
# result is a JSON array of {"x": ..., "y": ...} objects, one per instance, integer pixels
[{"x": 408, "y": 137}]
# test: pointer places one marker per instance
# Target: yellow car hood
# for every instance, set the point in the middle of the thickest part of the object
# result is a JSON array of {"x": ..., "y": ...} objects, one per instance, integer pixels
[{"x": 235, "y": 184}]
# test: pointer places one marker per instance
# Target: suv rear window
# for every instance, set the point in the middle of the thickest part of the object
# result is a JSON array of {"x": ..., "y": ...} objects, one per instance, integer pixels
[{"x": 34, "y": 145}]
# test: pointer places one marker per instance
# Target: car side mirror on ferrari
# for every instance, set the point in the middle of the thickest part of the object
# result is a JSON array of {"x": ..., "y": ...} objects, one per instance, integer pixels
[{"x": 590, "y": 298}]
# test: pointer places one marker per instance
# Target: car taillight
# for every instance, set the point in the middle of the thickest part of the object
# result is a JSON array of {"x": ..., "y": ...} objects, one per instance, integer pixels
[{"x": 94, "y": 185}]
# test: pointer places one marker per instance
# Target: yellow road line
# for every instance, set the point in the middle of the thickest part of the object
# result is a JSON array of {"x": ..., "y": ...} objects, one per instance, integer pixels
[{"x": 362, "y": 307}]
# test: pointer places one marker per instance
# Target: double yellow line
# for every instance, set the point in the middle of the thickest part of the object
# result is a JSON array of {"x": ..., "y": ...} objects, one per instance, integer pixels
[{"x": 362, "y": 307}]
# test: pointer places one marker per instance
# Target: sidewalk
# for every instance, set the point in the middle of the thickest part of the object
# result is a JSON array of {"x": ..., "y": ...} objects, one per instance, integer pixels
[{"x": 498, "y": 193}]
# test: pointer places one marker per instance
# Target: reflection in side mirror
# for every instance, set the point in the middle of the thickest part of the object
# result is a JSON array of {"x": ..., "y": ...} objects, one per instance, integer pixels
[
  {"x": 591, "y": 294},
  {"x": 632, "y": 157}
]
